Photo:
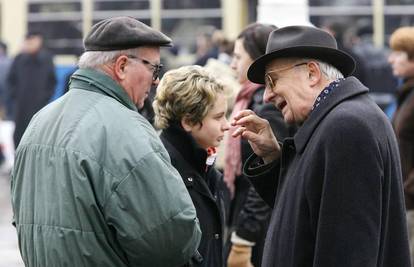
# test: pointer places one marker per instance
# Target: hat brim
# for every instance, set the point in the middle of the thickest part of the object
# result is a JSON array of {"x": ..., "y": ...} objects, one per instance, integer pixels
[{"x": 339, "y": 59}]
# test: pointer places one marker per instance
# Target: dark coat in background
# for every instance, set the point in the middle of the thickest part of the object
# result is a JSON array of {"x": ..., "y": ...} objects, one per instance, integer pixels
[
  {"x": 336, "y": 191},
  {"x": 207, "y": 190},
  {"x": 31, "y": 82},
  {"x": 250, "y": 214},
  {"x": 403, "y": 122}
]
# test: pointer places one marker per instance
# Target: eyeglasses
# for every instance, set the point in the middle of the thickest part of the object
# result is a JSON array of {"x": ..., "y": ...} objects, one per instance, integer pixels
[
  {"x": 156, "y": 68},
  {"x": 269, "y": 81}
]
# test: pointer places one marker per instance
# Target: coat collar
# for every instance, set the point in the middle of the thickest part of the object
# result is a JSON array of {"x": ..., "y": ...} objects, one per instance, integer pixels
[
  {"x": 348, "y": 88},
  {"x": 99, "y": 82},
  {"x": 407, "y": 85},
  {"x": 405, "y": 90},
  {"x": 184, "y": 143}
]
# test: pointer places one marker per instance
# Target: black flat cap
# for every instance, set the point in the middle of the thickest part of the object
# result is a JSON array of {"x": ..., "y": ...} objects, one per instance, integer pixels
[{"x": 121, "y": 33}]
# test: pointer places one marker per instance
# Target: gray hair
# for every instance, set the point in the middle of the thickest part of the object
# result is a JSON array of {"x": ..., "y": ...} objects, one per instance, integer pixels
[
  {"x": 330, "y": 72},
  {"x": 95, "y": 59}
]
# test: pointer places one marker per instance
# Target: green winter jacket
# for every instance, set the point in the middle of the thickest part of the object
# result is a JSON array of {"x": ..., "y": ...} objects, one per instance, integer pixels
[{"x": 92, "y": 185}]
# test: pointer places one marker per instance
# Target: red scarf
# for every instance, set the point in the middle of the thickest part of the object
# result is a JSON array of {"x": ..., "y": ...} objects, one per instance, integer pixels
[
  {"x": 233, "y": 164},
  {"x": 211, "y": 156}
]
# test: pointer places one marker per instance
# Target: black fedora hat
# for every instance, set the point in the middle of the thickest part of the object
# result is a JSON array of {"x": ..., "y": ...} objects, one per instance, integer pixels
[{"x": 301, "y": 42}]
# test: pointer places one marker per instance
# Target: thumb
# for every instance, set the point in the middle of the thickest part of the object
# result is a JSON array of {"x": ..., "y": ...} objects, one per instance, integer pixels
[{"x": 251, "y": 136}]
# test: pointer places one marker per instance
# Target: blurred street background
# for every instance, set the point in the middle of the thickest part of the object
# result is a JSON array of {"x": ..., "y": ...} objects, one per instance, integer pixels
[
  {"x": 9, "y": 253},
  {"x": 202, "y": 31}
]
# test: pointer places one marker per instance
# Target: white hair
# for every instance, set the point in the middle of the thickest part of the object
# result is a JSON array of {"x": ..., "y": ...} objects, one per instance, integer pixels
[
  {"x": 330, "y": 72},
  {"x": 95, "y": 59}
]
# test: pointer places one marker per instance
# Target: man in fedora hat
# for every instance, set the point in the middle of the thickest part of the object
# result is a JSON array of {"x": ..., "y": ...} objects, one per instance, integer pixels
[
  {"x": 92, "y": 184},
  {"x": 335, "y": 187}
]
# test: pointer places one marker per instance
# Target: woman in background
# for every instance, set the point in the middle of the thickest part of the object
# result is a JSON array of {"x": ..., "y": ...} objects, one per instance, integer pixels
[{"x": 401, "y": 59}]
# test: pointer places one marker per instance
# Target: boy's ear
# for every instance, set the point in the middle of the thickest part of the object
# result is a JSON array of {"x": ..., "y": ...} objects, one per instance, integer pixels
[{"x": 186, "y": 124}]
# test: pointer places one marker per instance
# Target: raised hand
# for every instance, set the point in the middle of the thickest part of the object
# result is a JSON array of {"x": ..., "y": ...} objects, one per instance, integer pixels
[{"x": 259, "y": 134}]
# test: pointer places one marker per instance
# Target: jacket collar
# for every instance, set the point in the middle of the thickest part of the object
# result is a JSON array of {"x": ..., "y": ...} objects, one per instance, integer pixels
[
  {"x": 407, "y": 85},
  {"x": 99, "y": 82},
  {"x": 405, "y": 89},
  {"x": 348, "y": 88},
  {"x": 185, "y": 144}
]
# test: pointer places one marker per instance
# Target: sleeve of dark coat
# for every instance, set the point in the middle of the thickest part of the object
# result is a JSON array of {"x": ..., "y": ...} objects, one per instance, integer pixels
[{"x": 255, "y": 213}]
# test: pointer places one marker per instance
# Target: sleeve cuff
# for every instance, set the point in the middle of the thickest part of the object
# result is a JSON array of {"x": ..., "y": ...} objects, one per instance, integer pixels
[
  {"x": 235, "y": 239},
  {"x": 255, "y": 166}
]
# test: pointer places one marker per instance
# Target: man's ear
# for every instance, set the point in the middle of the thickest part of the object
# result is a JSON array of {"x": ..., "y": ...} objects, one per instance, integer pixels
[
  {"x": 186, "y": 124},
  {"x": 119, "y": 67},
  {"x": 314, "y": 73}
]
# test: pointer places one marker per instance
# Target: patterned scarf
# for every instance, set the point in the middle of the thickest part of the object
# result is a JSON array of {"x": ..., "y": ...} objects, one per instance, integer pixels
[
  {"x": 325, "y": 93},
  {"x": 233, "y": 164}
]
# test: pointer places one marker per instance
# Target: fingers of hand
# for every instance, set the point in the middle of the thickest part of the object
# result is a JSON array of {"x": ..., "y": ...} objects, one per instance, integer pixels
[
  {"x": 240, "y": 115},
  {"x": 250, "y": 136},
  {"x": 251, "y": 122},
  {"x": 239, "y": 131}
]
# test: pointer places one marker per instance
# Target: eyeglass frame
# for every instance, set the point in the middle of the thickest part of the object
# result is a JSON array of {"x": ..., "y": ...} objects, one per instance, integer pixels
[
  {"x": 268, "y": 79},
  {"x": 156, "y": 68}
]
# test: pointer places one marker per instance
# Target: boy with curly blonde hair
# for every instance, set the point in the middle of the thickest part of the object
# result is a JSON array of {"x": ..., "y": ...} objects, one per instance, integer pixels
[{"x": 190, "y": 108}]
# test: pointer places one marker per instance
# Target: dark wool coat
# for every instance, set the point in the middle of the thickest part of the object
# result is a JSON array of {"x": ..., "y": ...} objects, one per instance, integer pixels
[
  {"x": 336, "y": 191},
  {"x": 207, "y": 190},
  {"x": 31, "y": 84},
  {"x": 403, "y": 122},
  {"x": 250, "y": 214}
]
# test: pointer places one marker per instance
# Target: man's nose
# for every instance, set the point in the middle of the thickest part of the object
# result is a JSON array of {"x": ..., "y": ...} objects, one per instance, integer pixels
[
  {"x": 268, "y": 95},
  {"x": 156, "y": 82}
]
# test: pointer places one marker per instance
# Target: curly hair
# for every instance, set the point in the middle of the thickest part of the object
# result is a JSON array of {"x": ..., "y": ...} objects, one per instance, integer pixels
[
  {"x": 187, "y": 92},
  {"x": 402, "y": 39}
]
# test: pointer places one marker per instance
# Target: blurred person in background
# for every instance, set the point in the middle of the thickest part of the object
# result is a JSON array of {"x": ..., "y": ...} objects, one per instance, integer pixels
[
  {"x": 92, "y": 184},
  {"x": 206, "y": 45},
  {"x": 373, "y": 59},
  {"x": 225, "y": 47},
  {"x": 31, "y": 82},
  {"x": 249, "y": 213},
  {"x": 340, "y": 30},
  {"x": 190, "y": 107},
  {"x": 5, "y": 62},
  {"x": 402, "y": 63},
  {"x": 5, "y": 107}
]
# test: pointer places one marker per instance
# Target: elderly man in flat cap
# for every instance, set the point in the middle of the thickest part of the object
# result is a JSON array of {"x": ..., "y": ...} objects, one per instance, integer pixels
[
  {"x": 92, "y": 185},
  {"x": 335, "y": 187}
]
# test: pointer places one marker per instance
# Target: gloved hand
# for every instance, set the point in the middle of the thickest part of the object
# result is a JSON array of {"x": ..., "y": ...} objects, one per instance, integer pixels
[{"x": 239, "y": 256}]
